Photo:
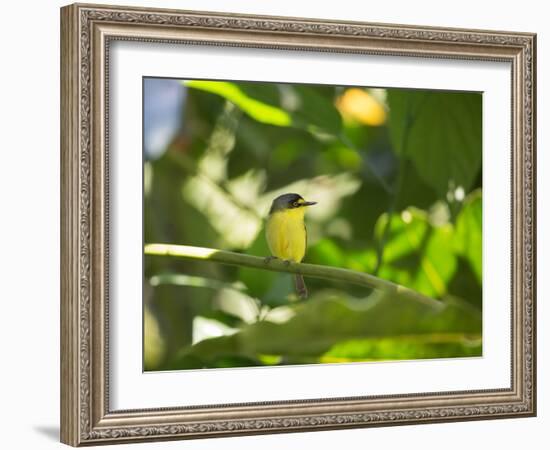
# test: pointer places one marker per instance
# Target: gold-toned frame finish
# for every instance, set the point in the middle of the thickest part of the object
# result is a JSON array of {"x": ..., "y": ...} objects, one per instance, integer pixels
[{"x": 86, "y": 31}]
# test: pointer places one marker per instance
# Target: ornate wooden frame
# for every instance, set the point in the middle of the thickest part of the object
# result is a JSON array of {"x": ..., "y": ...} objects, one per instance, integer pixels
[{"x": 86, "y": 31}]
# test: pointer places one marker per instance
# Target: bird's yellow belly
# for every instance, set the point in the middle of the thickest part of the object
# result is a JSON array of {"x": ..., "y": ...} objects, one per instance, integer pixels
[{"x": 286, "y": 235}]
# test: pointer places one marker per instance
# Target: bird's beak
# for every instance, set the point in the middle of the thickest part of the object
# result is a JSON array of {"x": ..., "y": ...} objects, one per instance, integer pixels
[{"x": 309, "y": 203}]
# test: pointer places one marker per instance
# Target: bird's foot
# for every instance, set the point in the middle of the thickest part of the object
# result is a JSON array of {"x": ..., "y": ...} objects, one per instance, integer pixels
[{"x": 268, "y": 259}]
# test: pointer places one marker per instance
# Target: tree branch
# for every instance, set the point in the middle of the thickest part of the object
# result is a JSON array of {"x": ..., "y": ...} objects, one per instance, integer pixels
[{"x": 309, "y": 270}]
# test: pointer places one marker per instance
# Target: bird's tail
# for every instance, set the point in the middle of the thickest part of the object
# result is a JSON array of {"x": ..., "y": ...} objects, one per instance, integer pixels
[{"x": 301, "y": 288}]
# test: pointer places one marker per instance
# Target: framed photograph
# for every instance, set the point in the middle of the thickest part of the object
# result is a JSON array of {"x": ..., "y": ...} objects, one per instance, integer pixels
[{"x": 276, "y": 225}]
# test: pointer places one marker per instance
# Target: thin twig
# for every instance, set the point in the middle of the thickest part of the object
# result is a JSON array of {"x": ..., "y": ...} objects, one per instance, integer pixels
[{"x": 309, "y": 270}]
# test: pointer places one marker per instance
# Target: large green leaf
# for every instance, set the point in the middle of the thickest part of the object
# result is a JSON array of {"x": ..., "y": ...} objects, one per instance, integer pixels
[
  {"x": 327, "y": 319},
  {"x": 440, "y": 132}
]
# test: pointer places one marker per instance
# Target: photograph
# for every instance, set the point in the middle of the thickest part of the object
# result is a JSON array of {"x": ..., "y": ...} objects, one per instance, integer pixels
[
  {"x": 287, "y": 223},
  {"x": 292, "y": 224}
]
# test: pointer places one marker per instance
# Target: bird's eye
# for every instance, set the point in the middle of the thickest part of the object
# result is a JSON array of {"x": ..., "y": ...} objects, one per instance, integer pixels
[{"x": 295, "y": 204}]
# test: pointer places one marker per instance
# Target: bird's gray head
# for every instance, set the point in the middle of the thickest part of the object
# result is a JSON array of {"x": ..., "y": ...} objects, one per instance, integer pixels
[{"x": 289, "y": 201}]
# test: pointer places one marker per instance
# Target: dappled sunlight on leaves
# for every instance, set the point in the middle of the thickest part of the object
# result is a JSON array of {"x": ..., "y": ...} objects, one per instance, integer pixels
[
  {"x": 204, "y": 328},
  {"x": 247, "y": 188},
  {"x": 237, "y": 227},
  {"x": 280, "y": 314},
  {"x": 179, "y": 279},
  {"x": 238, "y": 304},
  {"x": 236, "y": 224},
  {"x": 418, "y": 254}
]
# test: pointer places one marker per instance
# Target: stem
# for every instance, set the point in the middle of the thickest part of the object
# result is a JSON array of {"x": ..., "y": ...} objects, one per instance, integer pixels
[
  {"x": 389, "y": 213},
  {"x": 310, "y": 270},
  {"x": 394, "y": 194}
]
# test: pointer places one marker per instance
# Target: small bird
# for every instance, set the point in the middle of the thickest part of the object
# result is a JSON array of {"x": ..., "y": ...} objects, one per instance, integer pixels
[{"x": 286, "y": 232}]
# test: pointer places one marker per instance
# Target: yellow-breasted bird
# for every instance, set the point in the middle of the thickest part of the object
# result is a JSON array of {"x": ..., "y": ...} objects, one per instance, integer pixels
[{"x": 286, "y": 232}]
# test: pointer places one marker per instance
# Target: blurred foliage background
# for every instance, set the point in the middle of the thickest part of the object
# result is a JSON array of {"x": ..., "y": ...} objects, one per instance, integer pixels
[{"x": 397, "y": 177}]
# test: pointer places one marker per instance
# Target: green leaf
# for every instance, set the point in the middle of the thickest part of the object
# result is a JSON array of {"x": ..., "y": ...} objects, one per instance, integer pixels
[
  {"x": 440, "y": 132},
  {"x": 468, "y": 235},
  {"x": 264, "y": 92},
  {"x": 417, "y": 254},
  {"x": 441, "y": 345},
  {"x": 415, "y": 192},
  {"x": 316, "y": 112},
  {"x": 326, "y": 319},
  {"x": 465, "y": 284},
  {"x": 258, "y": 110},
  {"x": 438, "y": 263}
]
